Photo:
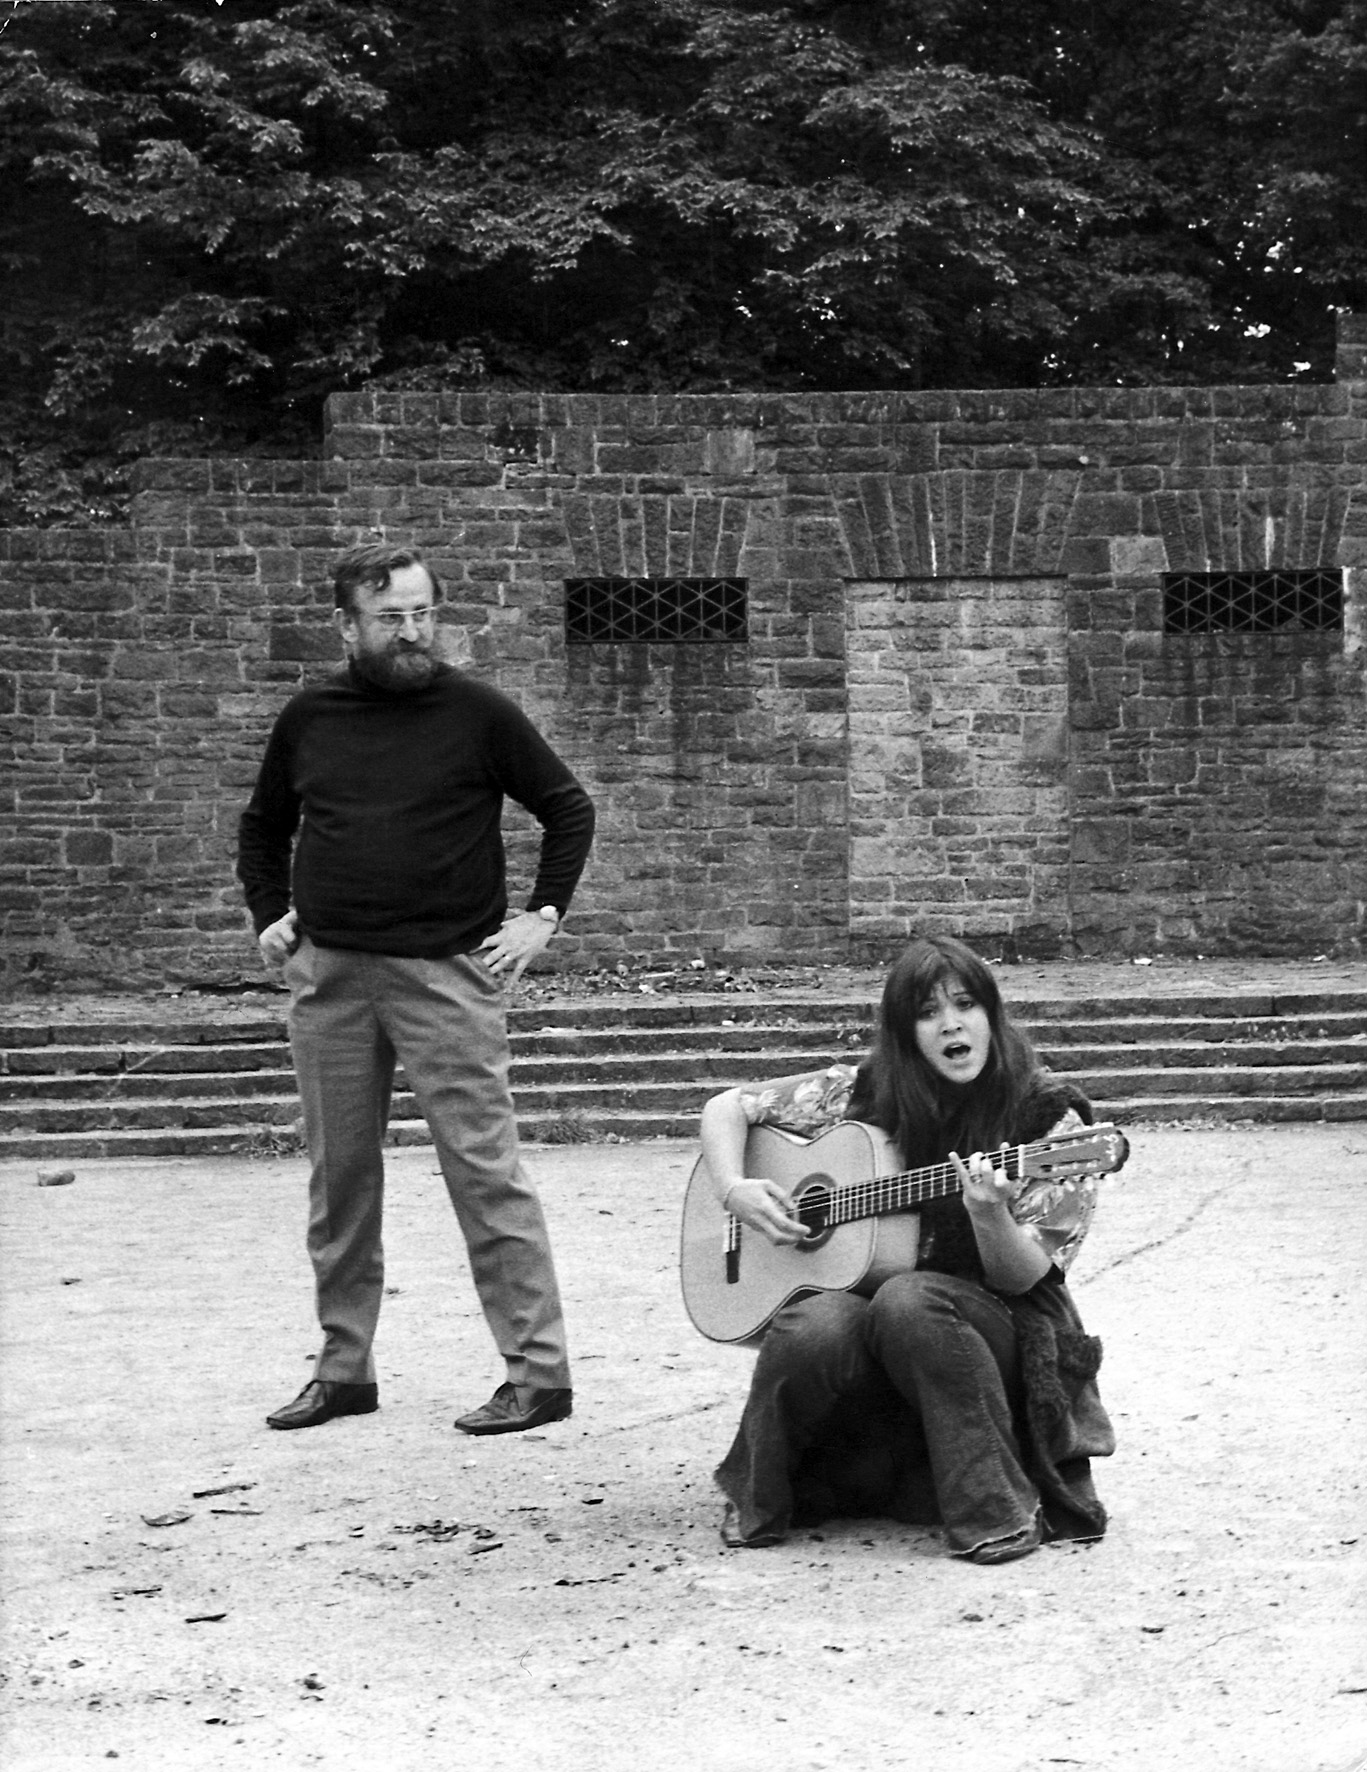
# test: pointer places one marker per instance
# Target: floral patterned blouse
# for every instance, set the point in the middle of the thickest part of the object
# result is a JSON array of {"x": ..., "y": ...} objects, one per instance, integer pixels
[{"x": 1057, "y": 1214}]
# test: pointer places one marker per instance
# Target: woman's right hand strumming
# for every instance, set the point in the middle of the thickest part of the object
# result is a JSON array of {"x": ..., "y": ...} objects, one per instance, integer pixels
[
  {"x": 760, "y": 1204},
  {"x": 763, "y": 1205}
]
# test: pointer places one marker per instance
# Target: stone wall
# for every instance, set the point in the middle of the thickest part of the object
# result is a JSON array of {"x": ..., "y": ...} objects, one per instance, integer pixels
[{"x": 956, "y": 707}]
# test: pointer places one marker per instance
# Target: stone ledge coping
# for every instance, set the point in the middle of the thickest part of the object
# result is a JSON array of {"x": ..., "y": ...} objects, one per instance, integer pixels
[{"x": 1023, "y": 984}]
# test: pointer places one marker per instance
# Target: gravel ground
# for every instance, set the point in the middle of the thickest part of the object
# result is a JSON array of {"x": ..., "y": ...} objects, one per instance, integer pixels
[{"x": 384, "y": 1593}]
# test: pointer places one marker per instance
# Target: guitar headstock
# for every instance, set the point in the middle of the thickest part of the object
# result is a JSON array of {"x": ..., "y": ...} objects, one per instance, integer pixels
[{"x": 1090, "y": 1150}]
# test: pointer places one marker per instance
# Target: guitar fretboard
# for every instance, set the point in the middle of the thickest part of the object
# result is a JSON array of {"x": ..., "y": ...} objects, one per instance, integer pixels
[{"x": 912, "y": 1187}]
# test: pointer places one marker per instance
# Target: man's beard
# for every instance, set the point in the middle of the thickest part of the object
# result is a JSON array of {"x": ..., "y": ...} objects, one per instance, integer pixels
[{"x": 411, "y": 668}]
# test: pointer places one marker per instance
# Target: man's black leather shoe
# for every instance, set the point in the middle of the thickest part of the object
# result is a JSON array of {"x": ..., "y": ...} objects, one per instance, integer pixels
[
  {"x": 507, "y": 1413},
  {"x": 321, "y": 1399}
]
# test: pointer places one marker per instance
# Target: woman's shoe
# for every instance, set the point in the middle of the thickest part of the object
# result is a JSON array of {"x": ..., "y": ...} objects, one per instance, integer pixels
[
  {"x": 1006, "y": 1550},
  {"x": 734, "y": 1539}
]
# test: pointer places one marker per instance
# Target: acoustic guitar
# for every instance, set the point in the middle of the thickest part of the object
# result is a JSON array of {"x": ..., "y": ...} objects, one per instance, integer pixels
[{"x": 861, "y": 1220}]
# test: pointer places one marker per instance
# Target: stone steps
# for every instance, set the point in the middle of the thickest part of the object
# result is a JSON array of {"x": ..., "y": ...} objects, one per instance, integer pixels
[
  {"x": 1147, "y": 1070},
  {"x": 1316, "y": 1040},
  {"x": 635, "y": 1069}
]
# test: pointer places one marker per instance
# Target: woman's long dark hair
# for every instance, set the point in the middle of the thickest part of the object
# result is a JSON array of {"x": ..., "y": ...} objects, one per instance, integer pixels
[{"x": 925, "y": 1114}]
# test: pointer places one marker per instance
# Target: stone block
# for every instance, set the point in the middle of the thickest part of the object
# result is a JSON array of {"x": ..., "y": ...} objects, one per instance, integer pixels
[
  {"x": 1098, "y": 841},
  {"x": 1085, "y": 556},
  {"x": 158, "y": 475},
  {"x": 88, "y": 849},
  {"x": 294, "y": 641},
  {"x": 1138, "y": 554},
  {"x": 729, "y": 453}
]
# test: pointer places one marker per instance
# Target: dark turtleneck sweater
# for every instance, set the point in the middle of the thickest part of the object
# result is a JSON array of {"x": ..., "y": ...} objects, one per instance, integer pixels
[{"x": 401, "y": 797}]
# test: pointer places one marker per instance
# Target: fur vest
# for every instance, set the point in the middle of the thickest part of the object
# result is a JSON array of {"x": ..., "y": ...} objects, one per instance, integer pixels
[{"x": 1063, "y": 1422}]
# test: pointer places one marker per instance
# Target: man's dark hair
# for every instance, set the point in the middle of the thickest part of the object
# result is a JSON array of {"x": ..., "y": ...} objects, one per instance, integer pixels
[{"x": 368, "y": 568}]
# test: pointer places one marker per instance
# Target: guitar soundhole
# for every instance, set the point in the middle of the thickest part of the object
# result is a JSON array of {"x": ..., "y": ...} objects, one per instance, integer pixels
[{"x": 813, "y": 1208}]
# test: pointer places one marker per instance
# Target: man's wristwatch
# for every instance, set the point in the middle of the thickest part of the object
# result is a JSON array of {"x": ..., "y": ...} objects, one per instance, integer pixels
[{"x": 549, "y": 914}]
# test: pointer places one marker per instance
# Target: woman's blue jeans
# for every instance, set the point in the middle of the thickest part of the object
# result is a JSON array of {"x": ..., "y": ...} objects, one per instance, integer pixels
[{"x": 858, "y": 1393}]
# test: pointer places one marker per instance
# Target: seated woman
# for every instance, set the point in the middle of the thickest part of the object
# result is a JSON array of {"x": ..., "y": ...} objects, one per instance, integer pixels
[{"x": 961, "y": 1390}]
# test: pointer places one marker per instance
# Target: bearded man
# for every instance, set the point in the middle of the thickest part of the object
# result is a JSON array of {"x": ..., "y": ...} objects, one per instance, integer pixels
[{"x": 372, "y": 861}]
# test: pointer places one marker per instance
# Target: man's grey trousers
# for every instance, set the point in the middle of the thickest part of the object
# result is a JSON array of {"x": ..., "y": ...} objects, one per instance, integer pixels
[{"x": 351, "y": 1014}]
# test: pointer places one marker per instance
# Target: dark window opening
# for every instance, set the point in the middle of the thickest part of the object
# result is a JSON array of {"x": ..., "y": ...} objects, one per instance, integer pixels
[
  {"x": 1252, "y": 602},
  {"x": 654, "y": 610}
]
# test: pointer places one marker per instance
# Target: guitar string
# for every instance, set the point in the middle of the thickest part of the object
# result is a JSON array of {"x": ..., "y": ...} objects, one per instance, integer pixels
[
  {"x": 932, "y": 1182},
  {"x": 918, "y": 1185}
]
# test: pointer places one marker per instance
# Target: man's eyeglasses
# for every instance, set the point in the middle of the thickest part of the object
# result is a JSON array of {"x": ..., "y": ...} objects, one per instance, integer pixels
[{"x": 392, "y": 620}]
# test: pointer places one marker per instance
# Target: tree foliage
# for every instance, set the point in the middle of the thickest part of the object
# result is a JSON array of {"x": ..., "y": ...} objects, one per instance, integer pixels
[{"x": 215, "y": 212}]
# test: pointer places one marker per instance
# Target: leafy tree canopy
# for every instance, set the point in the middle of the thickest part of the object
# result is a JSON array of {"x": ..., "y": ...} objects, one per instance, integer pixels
[{"x": 213, "y": 213}]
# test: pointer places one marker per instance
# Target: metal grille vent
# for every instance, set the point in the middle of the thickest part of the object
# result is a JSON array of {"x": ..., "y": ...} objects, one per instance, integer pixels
[
  {"x": 1252, "y": 602},
  {"x": 654, "y": 610}
]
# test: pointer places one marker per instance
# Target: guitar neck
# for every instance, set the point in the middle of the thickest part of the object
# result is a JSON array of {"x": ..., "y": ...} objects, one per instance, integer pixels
[{"x": 1100, "y": 1148}]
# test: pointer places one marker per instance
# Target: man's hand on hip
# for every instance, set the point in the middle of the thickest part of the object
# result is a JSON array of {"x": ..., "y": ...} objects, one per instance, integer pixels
[
  {"x": 278, "y": 940},
  {"x": 521, "y": 938}
]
